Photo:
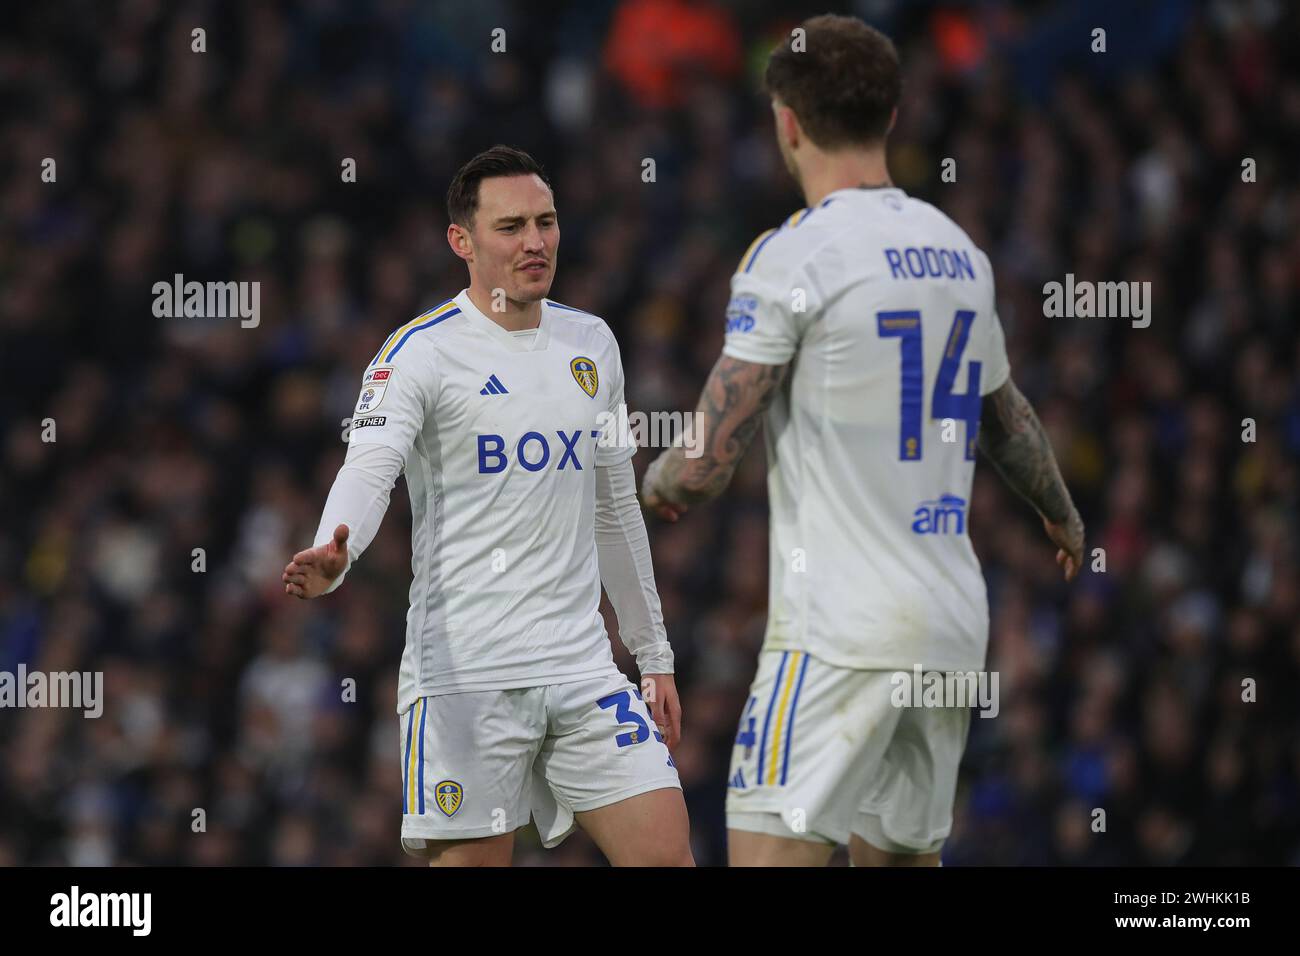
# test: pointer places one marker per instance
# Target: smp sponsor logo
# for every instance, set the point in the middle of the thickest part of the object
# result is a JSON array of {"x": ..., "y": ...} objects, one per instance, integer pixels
[
  {"x": 740, "y": 313},
  {"x": 943, "y": 515},
  {"x": 533, "y": 451}
]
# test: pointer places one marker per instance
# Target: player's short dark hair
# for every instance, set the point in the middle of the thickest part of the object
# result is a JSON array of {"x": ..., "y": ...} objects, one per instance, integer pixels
[
  {"x": 462, "y": 195},
  {"x": 843, "y": 85}
]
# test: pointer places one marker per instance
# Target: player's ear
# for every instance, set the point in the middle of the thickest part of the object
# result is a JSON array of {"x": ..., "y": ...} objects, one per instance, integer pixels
[
  {"x": 788, "y": 124},
  {"x": 893, "y": 118},
  {"x": 458, "y": 238}
]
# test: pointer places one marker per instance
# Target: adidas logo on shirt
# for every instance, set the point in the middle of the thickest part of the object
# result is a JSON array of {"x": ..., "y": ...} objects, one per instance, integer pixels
[{"x": 493, "y": 387}]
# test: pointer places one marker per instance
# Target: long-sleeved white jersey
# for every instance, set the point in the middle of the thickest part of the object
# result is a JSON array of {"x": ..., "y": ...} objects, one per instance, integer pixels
[{"x": 499, "y": 434}]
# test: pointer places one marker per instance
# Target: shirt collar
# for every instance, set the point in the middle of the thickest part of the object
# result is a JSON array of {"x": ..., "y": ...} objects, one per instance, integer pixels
[{"x": 515, "y": 343}]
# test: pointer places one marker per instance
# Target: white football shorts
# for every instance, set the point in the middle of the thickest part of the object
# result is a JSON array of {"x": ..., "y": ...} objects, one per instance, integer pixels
[
  {"x": 479, "y": 763},
  {"x": 823, "y": 752}
]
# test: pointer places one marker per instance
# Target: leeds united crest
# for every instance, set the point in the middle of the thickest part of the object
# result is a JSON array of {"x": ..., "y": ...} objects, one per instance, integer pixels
[
  {"x": 449, "y": 794},
  {"x": 584, "y": 373}
]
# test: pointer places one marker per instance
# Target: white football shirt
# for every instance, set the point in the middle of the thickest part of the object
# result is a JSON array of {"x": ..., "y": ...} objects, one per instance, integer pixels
[
  {"x": 500, "y": 434},
  {"x": 886, "y": 309}
]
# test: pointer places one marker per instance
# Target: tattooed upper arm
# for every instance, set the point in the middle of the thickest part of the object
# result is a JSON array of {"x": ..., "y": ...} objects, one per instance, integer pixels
[
  {"x": 731, "y": 408},
  {"x": 1013, "y": 439}
]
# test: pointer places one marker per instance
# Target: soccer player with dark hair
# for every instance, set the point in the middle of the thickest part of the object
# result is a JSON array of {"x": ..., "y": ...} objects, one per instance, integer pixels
[
  {"x": 497, "y": 404},
  {"x": 864, "y": 331}
]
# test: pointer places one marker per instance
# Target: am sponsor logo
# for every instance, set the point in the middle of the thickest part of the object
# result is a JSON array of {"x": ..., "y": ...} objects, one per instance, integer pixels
[{"x": 943, "y": 515}]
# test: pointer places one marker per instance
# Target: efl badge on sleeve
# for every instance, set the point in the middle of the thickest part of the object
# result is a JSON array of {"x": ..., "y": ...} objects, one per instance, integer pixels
[
  {"x": 584, "y": 373},
  {"x": 373, "y": 386},
  {"x": 449, "y": 794}
]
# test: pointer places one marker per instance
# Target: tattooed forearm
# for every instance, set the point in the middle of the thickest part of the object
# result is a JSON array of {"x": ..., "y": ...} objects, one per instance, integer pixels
[
  {"x": 1012, "y": 437},
  {"x": 730, "y": 409}
]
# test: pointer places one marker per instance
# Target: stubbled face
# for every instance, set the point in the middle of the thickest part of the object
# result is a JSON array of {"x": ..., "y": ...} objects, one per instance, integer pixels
[{"x": 515, "y": 237}]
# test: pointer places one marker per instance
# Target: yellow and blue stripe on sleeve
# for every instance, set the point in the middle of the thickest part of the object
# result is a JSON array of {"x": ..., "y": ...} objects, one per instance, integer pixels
[
  {"x": 395, "y": 341},
  {"x": 755, "y": 247}
]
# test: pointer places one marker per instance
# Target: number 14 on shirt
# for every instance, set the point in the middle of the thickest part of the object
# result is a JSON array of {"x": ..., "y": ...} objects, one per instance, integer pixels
[{"x": 905, "y": 325}]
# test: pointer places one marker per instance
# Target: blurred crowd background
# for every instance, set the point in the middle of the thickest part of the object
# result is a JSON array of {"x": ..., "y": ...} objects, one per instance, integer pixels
[{"x": 1122, "y": 692}]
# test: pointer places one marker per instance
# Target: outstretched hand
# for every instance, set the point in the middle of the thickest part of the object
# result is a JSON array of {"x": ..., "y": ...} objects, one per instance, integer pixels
[{"x": 312, "y": 571}]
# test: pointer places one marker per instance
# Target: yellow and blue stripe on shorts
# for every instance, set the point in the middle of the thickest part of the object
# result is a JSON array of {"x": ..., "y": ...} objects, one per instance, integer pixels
[
  {"x": 778, "y": 725},
  {"x": 413, "y": 764}
]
